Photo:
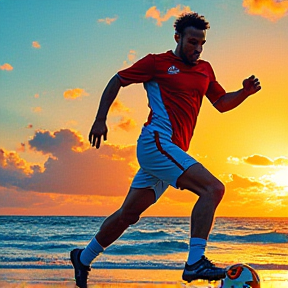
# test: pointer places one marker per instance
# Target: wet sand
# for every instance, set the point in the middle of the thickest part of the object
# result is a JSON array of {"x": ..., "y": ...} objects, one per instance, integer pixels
[{"x": 102, "y": 278}]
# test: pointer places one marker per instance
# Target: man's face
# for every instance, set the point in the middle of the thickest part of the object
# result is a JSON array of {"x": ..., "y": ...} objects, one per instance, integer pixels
[{"x": 190, "y": 45}]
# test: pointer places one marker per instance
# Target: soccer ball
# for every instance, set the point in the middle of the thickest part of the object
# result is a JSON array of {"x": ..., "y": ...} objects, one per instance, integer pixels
[{"x": 241, "y": 276}]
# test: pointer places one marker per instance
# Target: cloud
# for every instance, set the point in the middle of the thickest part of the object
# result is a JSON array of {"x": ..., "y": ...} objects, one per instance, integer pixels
[
  {"x": 248, "y": 190},
  {"x": 123, "y": 122},
  {"x": 13, "y": 167},
  {"x": 267, "y": 185},
  {"x": 281, "y": 161},
  {"x": 247, "y": 196},
  {"x": 270, "y": 9},
  {"x": 239, "y": 182},
  {"x": 35, "y": 44},
  {"x": 57, "y": 142},
  {"x": 94, "y": 181},
  {"x": 71, "y": 123},
  {"x": 126, "y": 124},
  {"x": 132, "y": 56},
  {"x": 118, "y": 106},
  {"x": 74, "y": 93},
  {"x": 154, "y": 13},
  {"x": 233, "y": 160},
  {"x": 107, "y": 20},
  {"x": 131, "y": 59},
  {"x": 13, "y": 198},
  {"x": 21, "y": 147},
  {"x": 6, "y": 67},
  {"x": 15, "y": 202},
  {"x": 72, "y": 167},
  {"x": 37, "y": 109},
  {"x": 259, "y": 160}
]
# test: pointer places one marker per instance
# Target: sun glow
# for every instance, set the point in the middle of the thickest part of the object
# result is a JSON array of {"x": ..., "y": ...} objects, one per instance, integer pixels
[{"x": 281, "y": 178}]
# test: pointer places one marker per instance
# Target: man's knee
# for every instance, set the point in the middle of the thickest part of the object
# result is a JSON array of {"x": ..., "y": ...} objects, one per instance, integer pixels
[
  {"x": 213, "y": 192},
  {"x": 128, "y": 218},
  {"x": 218, "y": 190}
]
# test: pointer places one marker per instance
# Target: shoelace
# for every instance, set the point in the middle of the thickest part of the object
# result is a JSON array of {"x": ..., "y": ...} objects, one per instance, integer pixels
[{"x": 208, "y": 262}]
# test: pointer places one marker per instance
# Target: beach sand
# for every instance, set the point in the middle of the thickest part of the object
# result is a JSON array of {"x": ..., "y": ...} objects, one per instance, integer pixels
[{"x": 102, "y": 278}]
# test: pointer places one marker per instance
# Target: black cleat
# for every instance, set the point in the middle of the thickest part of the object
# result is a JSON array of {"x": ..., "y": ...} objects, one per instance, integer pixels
[
  {"x": 81, "y": 271},
  {"x": 203, "y": 269}
]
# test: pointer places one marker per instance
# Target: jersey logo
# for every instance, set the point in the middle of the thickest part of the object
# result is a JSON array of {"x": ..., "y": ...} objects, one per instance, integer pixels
[{"x": 173, "y": 70}]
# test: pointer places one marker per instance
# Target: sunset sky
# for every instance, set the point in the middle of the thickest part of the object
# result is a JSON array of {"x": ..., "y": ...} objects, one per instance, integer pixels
[{"x": 56, "y": 58}]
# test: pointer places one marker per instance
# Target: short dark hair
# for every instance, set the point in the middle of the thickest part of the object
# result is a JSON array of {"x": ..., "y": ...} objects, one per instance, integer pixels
[{"x": 190, "y": 19}]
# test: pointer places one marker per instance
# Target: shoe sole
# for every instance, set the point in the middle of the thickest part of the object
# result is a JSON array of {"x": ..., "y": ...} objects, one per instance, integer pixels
[{"x": 189, "y": 278}]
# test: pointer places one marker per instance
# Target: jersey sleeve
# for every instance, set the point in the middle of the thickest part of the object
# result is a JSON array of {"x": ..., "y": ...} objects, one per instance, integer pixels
[
  {"x": 140, "y": 72},
  {"x": 215, "y": 90}
]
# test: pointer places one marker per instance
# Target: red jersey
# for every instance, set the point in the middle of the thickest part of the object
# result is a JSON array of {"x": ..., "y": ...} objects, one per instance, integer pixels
[{"x": 175, "y": 91}]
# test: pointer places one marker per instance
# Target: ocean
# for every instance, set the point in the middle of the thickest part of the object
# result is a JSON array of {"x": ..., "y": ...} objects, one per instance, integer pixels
[{"x": 153, "y": 243}]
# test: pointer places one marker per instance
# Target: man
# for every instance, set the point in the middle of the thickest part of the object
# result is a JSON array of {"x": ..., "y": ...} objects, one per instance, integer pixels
[{"x": 176, "y": 82}]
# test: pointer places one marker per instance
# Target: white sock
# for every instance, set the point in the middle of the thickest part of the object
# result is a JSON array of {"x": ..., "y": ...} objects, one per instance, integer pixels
[
  {"x": 92, "y": 250},
  {"x": 197, "y": 248}
]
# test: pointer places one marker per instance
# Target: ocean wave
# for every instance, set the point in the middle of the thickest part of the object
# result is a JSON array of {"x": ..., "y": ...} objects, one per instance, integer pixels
[
  {"x": 264, "y": 238},
  {"x": 21, "y": 237},
  {"x": 145, "y": 235},
  {"x": 35, "y": 246},
  {"x": 148, "y": 248},
  {"x": 153, "y": 243}
]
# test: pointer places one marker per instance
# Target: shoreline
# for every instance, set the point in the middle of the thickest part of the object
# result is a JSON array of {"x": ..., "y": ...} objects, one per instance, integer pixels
[{"x": 131, "y": 278}]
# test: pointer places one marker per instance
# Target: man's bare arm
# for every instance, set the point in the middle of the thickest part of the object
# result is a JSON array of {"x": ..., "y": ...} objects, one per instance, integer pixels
[
  {"x": 231, "y": 100},
  {"x": 99, "y": 127}
]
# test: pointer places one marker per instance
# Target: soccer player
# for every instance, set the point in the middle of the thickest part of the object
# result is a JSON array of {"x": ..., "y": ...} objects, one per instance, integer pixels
[{"x": 176, "y": 82}]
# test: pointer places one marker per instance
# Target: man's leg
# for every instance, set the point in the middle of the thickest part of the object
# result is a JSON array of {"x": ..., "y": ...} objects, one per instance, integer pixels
[
  {"x": 210, "y": 191},
  {"x": 136, "y": 202}
]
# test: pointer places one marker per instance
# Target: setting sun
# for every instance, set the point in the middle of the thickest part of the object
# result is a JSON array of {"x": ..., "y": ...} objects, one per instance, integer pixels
[{"x": 281, "y": 178}]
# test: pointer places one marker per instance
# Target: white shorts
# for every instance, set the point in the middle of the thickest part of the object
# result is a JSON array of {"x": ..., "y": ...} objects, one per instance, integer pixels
[{"x": 161, "y": 162}]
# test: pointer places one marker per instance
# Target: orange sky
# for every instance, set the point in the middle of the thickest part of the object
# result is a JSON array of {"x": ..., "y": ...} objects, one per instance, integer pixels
[{"x": 50, "y": 95}]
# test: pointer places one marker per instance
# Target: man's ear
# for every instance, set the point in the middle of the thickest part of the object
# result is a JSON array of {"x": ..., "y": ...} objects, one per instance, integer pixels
[{"x": 177, "y": 37}]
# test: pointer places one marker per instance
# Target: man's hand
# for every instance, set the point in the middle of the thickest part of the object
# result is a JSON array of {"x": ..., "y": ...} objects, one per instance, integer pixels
[
  {"x": 251, "y": 85},
  {"x": 98, "y": 130}
]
